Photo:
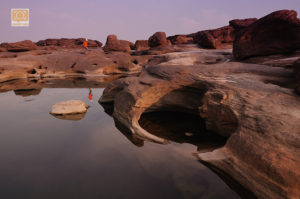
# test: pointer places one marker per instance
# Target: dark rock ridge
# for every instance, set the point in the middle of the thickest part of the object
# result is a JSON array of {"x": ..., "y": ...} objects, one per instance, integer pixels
[
  {"x": 242, "y": 23},
  {"x": 113, "y": 44},
  {"x": 278, "y": 32},
  {"x": 237, "y": 101},
  {"x": 69, "y": 43},
  {"x": 20, "y": 46}
]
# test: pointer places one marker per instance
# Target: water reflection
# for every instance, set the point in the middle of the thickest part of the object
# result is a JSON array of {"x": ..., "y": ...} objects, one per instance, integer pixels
[{"x": 44, "y": 157}]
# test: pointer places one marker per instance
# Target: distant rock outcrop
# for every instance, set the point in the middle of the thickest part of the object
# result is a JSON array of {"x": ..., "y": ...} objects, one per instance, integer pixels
[
  {"x": 113, "y": 44},
  {"x": 158, "y": 39},
  {"x": 20, "y": 46},
  {"x": 205, "y": 40},
  {"x": 69, "y": 43},
  {"x": 180, "y": 39},
  {"x": 141, "y": 45},
  {"x": 278, "y": 32}
]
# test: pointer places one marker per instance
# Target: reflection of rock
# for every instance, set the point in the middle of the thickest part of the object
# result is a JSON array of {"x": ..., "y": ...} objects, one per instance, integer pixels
[
  {"x": 69, "y": 107},
  {"x": 27, "y": 92},
  {"x": 74, "y": 117},
  {"x": 261, "y": 120}
]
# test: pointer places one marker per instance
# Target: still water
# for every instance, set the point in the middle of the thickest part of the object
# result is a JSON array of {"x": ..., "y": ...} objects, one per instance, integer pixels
[{"x": 45, "y": 157}]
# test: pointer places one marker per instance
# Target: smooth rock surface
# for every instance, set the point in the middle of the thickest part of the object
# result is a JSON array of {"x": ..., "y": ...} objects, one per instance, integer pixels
[{"x": 69, "y": 107}]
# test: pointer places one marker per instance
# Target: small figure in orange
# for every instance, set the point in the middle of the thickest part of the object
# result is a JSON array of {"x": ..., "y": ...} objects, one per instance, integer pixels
[
  {"x": 90, "y": 95},
  {"x": 85, "y": 43}
]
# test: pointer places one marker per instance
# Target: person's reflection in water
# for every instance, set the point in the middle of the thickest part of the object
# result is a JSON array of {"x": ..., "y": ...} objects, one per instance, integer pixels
[{"x": 90, "y": 94}]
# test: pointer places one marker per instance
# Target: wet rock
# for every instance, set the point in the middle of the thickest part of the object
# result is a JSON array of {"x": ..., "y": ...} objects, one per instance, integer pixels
[
  {"x": 69, "y": 107},
  {"x": 20, "y": 46},
  {"x": 158, "y": 39},
  {"x": 278, "y": 32},
  {"x": 113, "y": 44},
  {"x": 141, "y": 45}
]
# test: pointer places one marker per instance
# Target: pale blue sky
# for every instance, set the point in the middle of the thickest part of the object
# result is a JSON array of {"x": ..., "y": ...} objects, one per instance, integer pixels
[{"x": 128, "y": 19}]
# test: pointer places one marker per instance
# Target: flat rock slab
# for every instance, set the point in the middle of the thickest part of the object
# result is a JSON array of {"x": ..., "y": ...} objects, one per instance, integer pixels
[{"x": 69, "y": 108}]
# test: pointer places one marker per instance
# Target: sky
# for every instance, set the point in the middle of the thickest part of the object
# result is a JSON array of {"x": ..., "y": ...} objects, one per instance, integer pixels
[{"x": 128, "y": 19}]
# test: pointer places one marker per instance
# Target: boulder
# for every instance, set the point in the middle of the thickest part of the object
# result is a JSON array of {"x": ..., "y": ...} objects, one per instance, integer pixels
[
  {"x": 158, "y": 39},
  {"x": 242, "y": 23},
  {"x": 69, "y": 107},
  {"x": 180, "y": 39},
  {"x": 113, "y": 44},
  {"x": 20, "y": 46},
  {"x": 278, "y": 32},
  {"x": 141, "y": 45},
  {"x": 205, "y": 40}
]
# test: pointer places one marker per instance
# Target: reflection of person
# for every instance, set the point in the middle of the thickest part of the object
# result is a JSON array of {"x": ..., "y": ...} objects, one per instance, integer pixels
[
  {"x": 85, "y": 43},
  {"x": 90, "y": 95}
]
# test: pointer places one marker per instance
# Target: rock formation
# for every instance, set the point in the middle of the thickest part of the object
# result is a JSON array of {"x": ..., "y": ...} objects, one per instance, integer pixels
[
  {"x": 242, "y": 23},
  {"x": 113, "y": 44},
  {"x": 70, "y": 107},
  {"x": 20, "y": 46},
  {"x": 278, "y": 32},
  {"x": 158, "y": 39},
  {"x": 239, "y": 101},
  {"x": 141, "y": 45},
  {"x": 69, "y": 43},
  {"x": 180, "y": 39}
]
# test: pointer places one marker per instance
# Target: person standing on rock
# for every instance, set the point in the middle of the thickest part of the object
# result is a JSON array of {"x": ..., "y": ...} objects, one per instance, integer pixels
[
  {"x": 90, "y": 95},
  {"x": 85, "y": 43}
]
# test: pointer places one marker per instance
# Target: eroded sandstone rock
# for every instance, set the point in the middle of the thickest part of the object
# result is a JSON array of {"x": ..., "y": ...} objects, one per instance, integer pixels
[
  {"x": 20, "y": 46},
  {"x": 69, "y": 43},
  {"x": 278, "y": 32},
  {"x": 158, "y": 39},
  {"x": 141, "y": 45},
  {"x": 237, "y": 100},
  {"x": 69, "y": 107},
  {"x": 113, "y": 44}
]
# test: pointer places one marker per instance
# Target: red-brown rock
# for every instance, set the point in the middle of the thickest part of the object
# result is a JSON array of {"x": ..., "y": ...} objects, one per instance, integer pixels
[
  {"x": 242, "y": 23},
  {"x": 158, "y": 39},
  {"x": 278, "y": 32},
  {"x": 180, "y": 39},
  {"x": 223, "y": 34},
  {"x": 141, "y": 45},
  {"x": 205, "y": 40},
  {"x": 20, "y": 46},
  {"x": 69, "y": 43},
  {"x": 113, "y": 44}
]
